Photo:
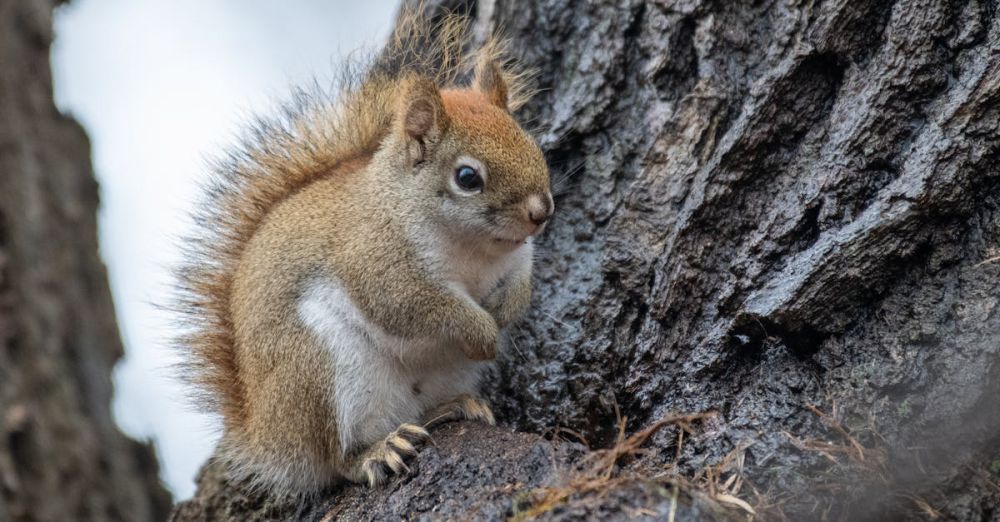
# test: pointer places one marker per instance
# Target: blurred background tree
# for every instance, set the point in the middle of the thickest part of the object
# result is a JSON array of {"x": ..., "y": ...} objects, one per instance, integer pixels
[{"x": 61, "y": 455}]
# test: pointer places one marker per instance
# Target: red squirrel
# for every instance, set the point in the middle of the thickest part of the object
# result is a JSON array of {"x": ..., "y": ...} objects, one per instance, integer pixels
[{"x": 357, "y": 260}]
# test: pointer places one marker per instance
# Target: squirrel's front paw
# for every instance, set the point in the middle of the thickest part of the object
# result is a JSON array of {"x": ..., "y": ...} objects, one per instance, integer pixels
[
  {"x": 480, "y": 352},
  {"x": 390, "y": 455},
  {"x": 481, "y": 339}
]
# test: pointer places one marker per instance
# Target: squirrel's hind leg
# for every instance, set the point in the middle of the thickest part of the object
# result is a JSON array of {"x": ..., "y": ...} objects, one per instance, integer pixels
[
  {"x": 387, "y": 457},
  {"x": 463, "y": 407}
]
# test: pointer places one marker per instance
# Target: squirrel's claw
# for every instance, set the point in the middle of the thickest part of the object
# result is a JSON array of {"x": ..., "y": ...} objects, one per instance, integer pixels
[
  {"x": 401, "y": 445},
  {"x": 474, "y": 408},
  {"x": 374, "y": 471},
  {"x": 463, "y": 407},
  {"x": 390, "y": 455},
  {"x": 412, "y": 431}
]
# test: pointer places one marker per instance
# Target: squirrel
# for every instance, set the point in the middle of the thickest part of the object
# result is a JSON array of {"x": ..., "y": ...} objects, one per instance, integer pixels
[{"x": 357, "y": 258}]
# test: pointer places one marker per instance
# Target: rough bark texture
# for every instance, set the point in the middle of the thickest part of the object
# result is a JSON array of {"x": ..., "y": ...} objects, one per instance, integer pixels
[
  {"x": 764, "y": 206},
  {"x": 471, "y": 472},
  {"x": 61, "y": 455}
]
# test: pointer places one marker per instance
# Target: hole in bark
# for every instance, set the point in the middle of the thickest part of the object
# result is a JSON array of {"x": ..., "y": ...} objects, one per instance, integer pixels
[
  {"x": 803, "y": 340},
  {"x": 750, "y": 331}
]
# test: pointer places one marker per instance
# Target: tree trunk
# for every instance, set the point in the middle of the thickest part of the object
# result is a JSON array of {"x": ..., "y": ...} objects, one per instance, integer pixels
[
  {"x": 61, "y": 455},
  {"x": 786, "y": 213}
]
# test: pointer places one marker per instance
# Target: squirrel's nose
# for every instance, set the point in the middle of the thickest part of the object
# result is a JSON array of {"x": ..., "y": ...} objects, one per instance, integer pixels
[{"x": 540, "y": 209}]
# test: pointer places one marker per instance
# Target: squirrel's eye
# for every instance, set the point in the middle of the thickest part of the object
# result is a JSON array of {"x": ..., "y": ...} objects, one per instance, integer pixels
[{"x": 468, "y": 179}]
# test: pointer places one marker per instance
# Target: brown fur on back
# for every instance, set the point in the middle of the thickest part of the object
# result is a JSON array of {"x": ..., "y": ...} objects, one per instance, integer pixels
[{"x": 316, "y": 134}]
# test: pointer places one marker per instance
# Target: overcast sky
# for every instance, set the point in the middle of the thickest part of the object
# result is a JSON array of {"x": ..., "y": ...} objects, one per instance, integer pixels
[{"x": 160, "y": 86}]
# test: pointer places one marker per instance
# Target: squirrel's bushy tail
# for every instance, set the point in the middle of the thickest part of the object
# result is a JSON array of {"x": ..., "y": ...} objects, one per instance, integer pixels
[{"x": 319, "y": 129}]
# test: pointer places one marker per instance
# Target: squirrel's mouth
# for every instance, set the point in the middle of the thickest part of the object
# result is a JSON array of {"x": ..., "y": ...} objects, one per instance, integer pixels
[{"x": 509, "y": 242}]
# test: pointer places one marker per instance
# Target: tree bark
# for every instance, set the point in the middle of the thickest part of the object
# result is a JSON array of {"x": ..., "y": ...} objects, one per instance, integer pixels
[
  {"x": 787, "y": 213},
  {"x": 61, "y": 455}
]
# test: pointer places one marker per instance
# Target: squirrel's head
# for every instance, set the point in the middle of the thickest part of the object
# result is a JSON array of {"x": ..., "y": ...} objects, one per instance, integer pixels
[{"x": 478, "y": 173}]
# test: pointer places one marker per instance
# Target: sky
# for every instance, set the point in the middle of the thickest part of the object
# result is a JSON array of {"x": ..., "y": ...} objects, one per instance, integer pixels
[{"x": 161, "y": 87}]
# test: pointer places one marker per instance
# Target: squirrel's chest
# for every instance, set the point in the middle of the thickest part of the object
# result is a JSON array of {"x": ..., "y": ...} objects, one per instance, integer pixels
[{"x": 479, "y": 274}]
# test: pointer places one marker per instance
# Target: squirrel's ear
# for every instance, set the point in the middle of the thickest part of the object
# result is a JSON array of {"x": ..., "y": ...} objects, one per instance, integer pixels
[
  {"x": 422, "y": 116},
  {"x": 489, "y": 81}
]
